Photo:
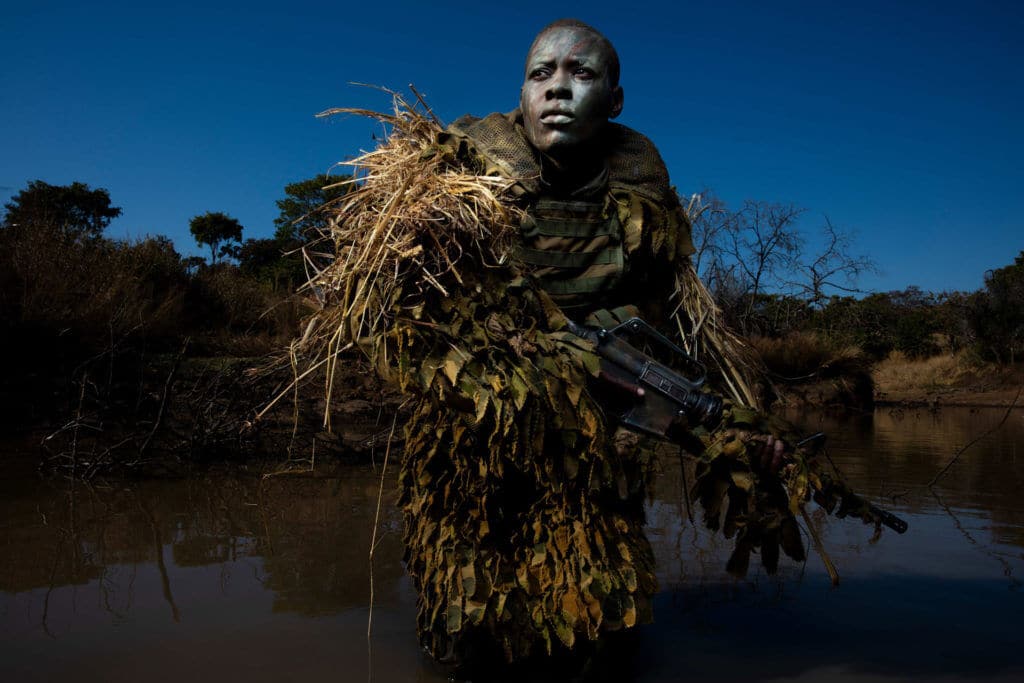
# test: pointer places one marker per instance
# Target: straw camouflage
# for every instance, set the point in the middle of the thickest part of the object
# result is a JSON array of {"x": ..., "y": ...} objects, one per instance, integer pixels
[{"x": 524, "y": 521}]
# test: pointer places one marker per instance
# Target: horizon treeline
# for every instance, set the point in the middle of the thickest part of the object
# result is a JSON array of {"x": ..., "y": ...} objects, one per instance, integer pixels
[
  {"x": 99, "y": 327},
  {"x": 771, "y": 284},
  {"x": 126, "y": 352},
  {"x": 68, "y": 293},
  {"x": 60, "y": 272}
]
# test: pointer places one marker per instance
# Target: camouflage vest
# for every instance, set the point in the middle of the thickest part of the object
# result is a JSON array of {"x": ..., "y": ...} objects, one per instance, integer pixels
[{"x": 573, "y": 246}]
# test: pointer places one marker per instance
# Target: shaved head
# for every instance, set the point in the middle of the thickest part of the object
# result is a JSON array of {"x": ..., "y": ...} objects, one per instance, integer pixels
[{"x": 605, "y": 44}]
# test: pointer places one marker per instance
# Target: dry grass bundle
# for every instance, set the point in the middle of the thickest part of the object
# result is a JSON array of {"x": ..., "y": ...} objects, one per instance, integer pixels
[
  {"x": 398, "y": 237},
  {"x": 408, "y": 194}
]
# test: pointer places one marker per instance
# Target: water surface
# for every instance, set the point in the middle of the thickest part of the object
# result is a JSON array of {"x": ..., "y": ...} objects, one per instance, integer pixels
[{"x": 269, "y": 578}]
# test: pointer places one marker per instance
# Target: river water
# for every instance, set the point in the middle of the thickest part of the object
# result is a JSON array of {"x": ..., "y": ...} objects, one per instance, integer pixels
[{"x": 268, "y": 578}]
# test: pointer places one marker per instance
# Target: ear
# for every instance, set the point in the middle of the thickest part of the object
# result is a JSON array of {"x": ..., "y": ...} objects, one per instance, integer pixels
[{"x": 617, "y": 101}]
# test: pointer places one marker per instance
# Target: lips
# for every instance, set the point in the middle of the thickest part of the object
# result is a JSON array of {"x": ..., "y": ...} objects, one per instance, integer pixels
[{"x": 556, "y": 117}]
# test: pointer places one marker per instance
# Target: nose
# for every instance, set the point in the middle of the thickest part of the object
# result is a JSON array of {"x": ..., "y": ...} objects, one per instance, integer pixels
[{"x": 558, "y": 86}]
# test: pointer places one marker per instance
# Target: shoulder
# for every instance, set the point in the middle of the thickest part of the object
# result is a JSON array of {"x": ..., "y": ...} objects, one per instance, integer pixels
[
  {"x": 498, "y": 144},
  {"x": 635, "y": 165},
  {"x": 638, "y": 179}
]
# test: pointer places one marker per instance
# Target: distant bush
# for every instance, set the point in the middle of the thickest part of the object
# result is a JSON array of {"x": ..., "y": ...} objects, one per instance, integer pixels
[
  {"x": 74, "y": 309},
  {"x": 906, "y": 321},
  {"x": 996, "y": 313},
  {"x": 240, "y": 312},
  {"x": 93, "y": 290},
  {"x": 807, "y": 356},
  {"x": 807, "y": 368}
]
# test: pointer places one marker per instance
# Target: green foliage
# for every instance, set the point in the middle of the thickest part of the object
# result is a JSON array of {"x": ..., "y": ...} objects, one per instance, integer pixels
[
  {"x": 71, "y": 211},
  {"x": 904, "y": 321},
  {"x": 996, "y": 313},
  {"x": 260, "y": 258},
  {"x": 278, "y": 262},
  {"x": 301, "y": 209},
  {"x": 216, "y": 229}
]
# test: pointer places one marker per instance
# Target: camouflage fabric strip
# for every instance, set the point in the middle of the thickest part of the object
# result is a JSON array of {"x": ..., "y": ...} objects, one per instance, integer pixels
[
  {"x": 577, "y": 286},
  {"x": 570, "y": 259}
]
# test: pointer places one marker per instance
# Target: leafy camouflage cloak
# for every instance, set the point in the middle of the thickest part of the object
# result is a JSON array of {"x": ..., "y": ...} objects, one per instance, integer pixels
[{"x": 523, "y": 521}]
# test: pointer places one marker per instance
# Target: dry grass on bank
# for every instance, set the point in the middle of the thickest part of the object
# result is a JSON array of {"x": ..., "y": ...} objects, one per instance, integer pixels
[
  {"x": 950, "y": 379},
  {"x": 898, "y": 373},
  {"x": 806, "y": 369},
  {"x": 806, "y": 357}
]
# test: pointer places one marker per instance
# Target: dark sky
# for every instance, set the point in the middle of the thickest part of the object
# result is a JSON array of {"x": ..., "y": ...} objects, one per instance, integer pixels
[{"x": 900, "y": 121}]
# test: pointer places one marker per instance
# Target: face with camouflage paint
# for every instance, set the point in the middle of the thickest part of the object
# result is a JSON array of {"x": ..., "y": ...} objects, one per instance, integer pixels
[{"x": 567, "y": 96}]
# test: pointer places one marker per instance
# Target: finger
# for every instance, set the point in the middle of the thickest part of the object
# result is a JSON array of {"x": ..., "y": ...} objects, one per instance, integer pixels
[
  {"x": 624, "y": 385},
  {"x": 780, "y": 449},
  {"x": 766, "y": 454}
]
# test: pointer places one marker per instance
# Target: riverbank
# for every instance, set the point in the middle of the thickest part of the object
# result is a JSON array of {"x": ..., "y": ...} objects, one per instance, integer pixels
[{"x": 946, "y": 380}]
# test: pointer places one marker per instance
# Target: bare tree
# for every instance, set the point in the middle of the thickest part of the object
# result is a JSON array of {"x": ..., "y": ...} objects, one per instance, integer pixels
[
  {"x": 835, "y": 268},
  {"x": 708, "y": 216},
  {"x": 765, "y": 244},
  {"x": 759, "y": 251}
]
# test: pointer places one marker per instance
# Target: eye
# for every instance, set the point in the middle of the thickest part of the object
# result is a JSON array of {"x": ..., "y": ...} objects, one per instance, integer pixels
[
  {"x": 539, "y": 74},
  {"x": 583, "y": 73}
]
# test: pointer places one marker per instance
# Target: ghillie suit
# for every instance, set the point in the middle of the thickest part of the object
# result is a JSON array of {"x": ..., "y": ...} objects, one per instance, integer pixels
[{"x": 523, "y": 519}]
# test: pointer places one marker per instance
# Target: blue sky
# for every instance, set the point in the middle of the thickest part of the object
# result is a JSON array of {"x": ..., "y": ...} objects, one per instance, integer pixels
[{"x": 900, "y": 121}]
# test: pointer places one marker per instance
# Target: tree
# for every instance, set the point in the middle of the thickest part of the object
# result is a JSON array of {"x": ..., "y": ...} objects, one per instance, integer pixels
[
  {"x": 756, "y": 263},
  {"x": 266, "y": 261},
  {"x": 216, "y": 229},
  {"x": 302, "y": 207},
  {"x": 278, "y": 261},
  {"x": 908, "y": 321},
  {"x": 73, "y": 211},
  {"x": 996, "y": 313},
  {"x": 834, "y": 265},
  {"x": 743, "y": 254}
]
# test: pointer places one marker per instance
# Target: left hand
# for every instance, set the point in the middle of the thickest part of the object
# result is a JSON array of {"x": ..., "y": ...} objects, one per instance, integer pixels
[{"x": 770, "y": 458}]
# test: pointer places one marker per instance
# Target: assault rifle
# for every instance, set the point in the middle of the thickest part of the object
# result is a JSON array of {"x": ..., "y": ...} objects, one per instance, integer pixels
[
  {"x": 665, "y": 403},
  {"x": 663, "y": 400}
]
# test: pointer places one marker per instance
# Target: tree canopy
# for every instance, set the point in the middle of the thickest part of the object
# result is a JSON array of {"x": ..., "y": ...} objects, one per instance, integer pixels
[
  {"x": 301, "y": 207},
  {"x": 74, "y": 211},
  {"x": 996, "y": 313},
  {"x": 216, "y": 229},
  {"x": 278, "y": 261}
]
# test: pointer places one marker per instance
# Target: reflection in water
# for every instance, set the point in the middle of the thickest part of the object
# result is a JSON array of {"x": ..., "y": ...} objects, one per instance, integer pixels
[{"x": 269, "y": 578}]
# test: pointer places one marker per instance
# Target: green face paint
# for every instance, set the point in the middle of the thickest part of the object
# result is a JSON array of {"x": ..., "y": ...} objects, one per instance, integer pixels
[{"x": 567, "y": 95}]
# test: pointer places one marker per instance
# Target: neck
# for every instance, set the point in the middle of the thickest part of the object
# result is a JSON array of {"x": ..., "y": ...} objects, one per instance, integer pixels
[{"x": 567, "y": 174}]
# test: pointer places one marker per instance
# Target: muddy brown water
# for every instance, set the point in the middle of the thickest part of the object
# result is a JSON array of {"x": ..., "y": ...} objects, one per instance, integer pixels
[{"x": 219, "y": 576}]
